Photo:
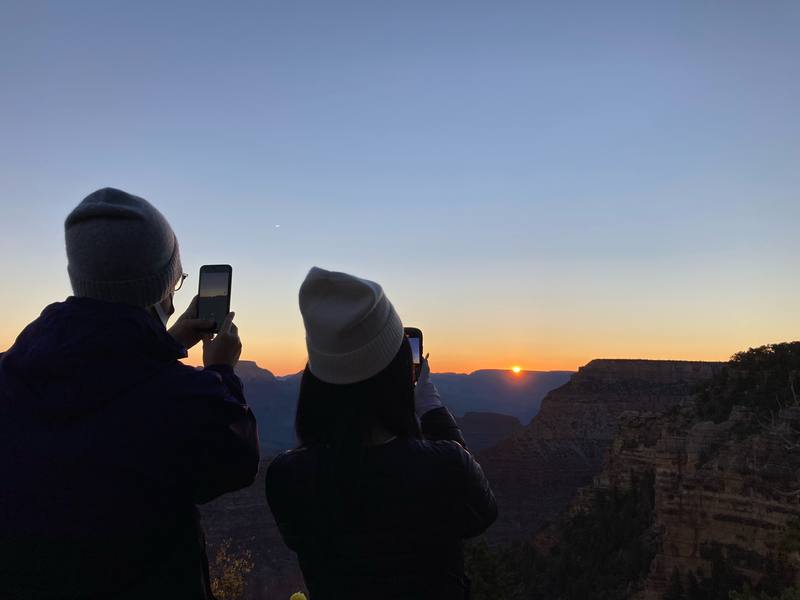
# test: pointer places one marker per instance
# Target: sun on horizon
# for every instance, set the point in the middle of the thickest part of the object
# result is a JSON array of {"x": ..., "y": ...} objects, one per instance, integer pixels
[{"x": 516, "y": 369}]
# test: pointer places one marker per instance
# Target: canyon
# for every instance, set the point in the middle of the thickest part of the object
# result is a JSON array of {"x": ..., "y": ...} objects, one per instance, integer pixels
[
  {"x": 538, "y": 470},
  {"x": 243, "y": 519},
  {"x": 720, "y": 489}
]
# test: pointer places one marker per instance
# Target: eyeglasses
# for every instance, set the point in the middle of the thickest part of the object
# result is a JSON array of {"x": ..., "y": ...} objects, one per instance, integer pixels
[{"x": 179, "y": 284}]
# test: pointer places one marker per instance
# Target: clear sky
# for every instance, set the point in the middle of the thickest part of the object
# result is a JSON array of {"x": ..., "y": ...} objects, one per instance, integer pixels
[{"x": 534, "y": 183}]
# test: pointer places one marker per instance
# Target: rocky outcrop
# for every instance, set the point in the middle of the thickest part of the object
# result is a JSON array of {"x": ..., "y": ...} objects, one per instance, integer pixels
[
  {"x": 536, "y": 472},
  {"x": 728, "y": 489}
]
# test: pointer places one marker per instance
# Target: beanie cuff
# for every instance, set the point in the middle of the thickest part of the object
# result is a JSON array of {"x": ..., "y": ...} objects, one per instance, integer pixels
[
  {"x": 363, "y": 363},
  {"x": 143, "y": 292}
]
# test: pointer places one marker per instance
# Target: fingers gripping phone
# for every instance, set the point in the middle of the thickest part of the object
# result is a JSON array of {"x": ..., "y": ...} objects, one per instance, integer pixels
[
  {"x": 214, "y": 295},
  {"x": 414, "y": 336}
]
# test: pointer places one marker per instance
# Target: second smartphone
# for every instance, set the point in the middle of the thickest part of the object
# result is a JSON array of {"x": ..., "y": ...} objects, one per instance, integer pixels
[{"x": 414, "y": 336}]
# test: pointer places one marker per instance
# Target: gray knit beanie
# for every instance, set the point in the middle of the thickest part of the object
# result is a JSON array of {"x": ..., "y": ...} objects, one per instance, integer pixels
[
  {"x": 352, "y": 330},
  {"x": 121, "y": 249}
]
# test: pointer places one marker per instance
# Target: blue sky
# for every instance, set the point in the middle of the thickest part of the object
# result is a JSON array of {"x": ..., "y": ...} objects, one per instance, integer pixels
[{"x": 533, "y": 183}]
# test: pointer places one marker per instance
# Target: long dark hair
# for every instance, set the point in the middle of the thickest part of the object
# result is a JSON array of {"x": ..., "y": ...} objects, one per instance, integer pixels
[{"x": 343, "y": 416}]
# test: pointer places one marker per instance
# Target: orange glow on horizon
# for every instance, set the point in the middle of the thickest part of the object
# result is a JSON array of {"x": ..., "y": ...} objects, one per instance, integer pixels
[
  {"x": 443, "y": 362},
  {"x": 282, "y": 350}
]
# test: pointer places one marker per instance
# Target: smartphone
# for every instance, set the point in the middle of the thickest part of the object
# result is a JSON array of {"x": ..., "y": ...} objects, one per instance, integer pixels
[
  {"x": 414, "y": 336},
  {"x": 214, "y": 295}
]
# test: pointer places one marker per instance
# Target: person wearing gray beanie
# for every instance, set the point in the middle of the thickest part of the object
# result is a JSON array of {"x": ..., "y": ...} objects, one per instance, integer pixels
[
  {"x": 381, "y": 491},
  {"x": 112, "y": 439},
  {"x": 120, "y": 248}
]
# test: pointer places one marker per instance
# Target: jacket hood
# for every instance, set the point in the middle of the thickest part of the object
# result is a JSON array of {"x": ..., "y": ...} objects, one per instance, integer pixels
[{"x": 81, "y": 354}]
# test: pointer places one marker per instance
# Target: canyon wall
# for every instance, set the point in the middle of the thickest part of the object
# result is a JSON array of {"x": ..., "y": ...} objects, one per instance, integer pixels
[
  {"x": 537, "y": 471},
  {"x": 730, "y": 488}
]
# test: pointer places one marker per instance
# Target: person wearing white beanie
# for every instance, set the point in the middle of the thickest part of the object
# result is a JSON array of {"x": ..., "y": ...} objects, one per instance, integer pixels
[
  {"x": 352, "y": 330},
  {"x": 381, "y": 491}
]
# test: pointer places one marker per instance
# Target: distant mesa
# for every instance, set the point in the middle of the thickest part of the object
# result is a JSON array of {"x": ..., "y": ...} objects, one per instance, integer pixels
[
  {"x": 485, "y": 429},
  {"x": 249, "y": 371},
  {"x": 290, "y": 376},
  {"x": 499, "y": 391},
  {"x": 500, "y": 401}
]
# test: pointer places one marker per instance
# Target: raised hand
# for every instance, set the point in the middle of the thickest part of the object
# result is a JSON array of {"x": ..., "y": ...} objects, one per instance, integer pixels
[
  {"x": 426, "y": 396},
  {"x": 188, "y": 329},
  {"x": 226, "y": 347}
]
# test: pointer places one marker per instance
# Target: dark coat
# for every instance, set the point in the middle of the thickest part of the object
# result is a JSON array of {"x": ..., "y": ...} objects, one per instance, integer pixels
[
  {"x": 107, "y": 442},
  {"x": 397, "y": 531}
]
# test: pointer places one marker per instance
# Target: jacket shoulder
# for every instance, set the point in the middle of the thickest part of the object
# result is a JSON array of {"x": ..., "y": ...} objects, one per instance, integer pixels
[
  {"x": 447, "y": 452},
  {"x": 289, "y": 473},
  {"x": 452, "y": 461},
  {"x": 180, "y": 370},
  {"x": 287, "y": 462},
  {"x": 178, "y": 379}
]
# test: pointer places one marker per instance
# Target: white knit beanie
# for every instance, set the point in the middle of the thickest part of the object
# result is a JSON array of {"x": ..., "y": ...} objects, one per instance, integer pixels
[
  {"x": 121, "y": 249},
  {"x": 352, "y": 330}
]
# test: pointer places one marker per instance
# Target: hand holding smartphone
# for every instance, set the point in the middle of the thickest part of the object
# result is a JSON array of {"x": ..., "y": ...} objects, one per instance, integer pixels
[
  {"x": 414, "y": 336},
  {"x": 214, "y": 294}
]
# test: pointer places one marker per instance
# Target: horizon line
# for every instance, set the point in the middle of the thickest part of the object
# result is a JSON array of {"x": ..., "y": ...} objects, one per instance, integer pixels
[{"x": 510, "y": 369}]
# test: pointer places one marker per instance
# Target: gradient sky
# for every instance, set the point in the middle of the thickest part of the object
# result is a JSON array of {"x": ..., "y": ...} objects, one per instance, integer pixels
[{"x": 534, "y": 183}]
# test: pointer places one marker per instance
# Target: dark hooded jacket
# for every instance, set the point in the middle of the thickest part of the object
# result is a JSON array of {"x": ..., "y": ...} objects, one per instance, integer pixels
[
  {"x": 107, "y": 442},
  {"x": 390, "y": 526}
]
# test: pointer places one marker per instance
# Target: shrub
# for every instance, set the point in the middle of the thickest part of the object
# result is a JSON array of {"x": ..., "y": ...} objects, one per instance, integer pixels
[
  {"x": 229, "y": 572},
  {"x": 764, "y": 379}
]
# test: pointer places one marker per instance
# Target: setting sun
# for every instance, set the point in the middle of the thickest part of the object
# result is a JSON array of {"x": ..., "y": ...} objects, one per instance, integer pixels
[{"x": 516, "y": 369}]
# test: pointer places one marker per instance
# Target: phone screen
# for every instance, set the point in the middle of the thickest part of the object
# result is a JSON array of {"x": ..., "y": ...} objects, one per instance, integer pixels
[
  {"x": 414, "y": 341},
  {"x": 414, "y": 337},
  {"x": 214, "y": 300}
]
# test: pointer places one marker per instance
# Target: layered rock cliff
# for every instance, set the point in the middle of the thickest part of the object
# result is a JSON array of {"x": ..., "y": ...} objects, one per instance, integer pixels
[
  {"x": 537, "y": 471},
  {"x": 715, "y": 485},
  {"x": 727, "y": 491}
]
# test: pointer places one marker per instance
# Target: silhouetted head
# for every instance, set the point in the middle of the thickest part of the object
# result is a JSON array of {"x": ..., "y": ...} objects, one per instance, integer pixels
[
  {"x": 360, "y": 374},
  {"x": 120, "y": 248},
  {"x": 347, "y": 414}
]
